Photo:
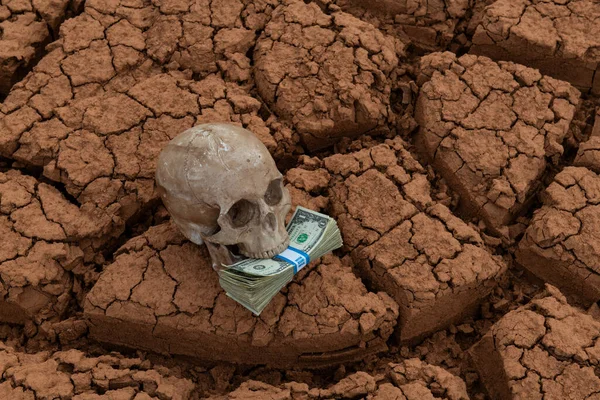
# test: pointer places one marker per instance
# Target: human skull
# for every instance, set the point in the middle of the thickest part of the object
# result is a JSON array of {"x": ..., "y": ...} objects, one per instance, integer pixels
[{"x": 222, "y": 188}]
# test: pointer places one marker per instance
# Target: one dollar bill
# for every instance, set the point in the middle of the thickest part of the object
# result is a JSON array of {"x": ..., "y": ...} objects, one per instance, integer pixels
[{"x": 254, "y": 282}]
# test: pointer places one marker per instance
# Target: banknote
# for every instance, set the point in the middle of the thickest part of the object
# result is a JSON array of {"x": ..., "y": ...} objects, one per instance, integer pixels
[{"x": 254, "y": 282}]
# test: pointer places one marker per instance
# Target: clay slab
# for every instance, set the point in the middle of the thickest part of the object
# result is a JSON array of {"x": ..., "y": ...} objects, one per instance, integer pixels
[
  {"x": 491, "y": 130},
  {"x": 161, "y": 294}
]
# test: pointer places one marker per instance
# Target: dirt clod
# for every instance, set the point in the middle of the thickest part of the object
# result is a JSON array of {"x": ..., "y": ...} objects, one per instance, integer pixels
[
  {"x": 39, "y": 255},
  {"x": 161, "y": 294},
  {"x": 433, "y": 165},
  {"x": 27, "y": 26},
  {"x": 410, "y": 379},
  {"x": 429, "y": 24},
  {"x": 546, "y": 349},
  {"x": 560, "y": 244},
  {"x": 330, "y": 75},
  {"x": 491, "y": 129},
  {"x": 74, "y": 375},
  {"x": 434, "y": 265},
  {"x": 559, "y": 38}
]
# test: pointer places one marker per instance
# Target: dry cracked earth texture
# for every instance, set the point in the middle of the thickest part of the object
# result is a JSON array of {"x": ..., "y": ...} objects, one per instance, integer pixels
[
  {"x": 27, "y": 26},
  {"x": 71, "y": 374},
  {"x": 560, "y": 38},
  {"x": 491, "y": 129},
  {"x": 460, "y": 183},
  {"x": 161, "y": 294},
  {"x": 402, "y": 241},
  {"x": 410, "y": 379},
  {"x": 544, "y": 350},
  {"x": 431, "y": 25},
  {"x": 328, "y": 75},
  {"x": 561, "y": 243}
]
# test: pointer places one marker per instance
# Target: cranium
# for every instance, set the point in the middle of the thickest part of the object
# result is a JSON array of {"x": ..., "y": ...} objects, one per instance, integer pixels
[{"x": 222, "y": 188}]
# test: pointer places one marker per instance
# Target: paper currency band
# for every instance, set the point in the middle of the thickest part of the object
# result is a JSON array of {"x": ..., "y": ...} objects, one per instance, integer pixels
[{"x": 296, "y": 257}]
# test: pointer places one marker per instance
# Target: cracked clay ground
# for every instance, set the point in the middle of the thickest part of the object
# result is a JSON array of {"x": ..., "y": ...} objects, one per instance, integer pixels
[{"x": 456, "y": 143}]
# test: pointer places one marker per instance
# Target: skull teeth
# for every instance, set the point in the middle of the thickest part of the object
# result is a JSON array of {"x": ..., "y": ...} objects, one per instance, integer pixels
[{"x": 267, "y": 253}]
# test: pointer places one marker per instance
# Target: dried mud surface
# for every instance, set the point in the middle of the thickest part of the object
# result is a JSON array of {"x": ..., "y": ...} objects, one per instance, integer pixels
[
  {"x": 96, "y": 111},
  {"x": 410, "y": 379},
  {"x": 460, "y": 185},
  {"x": 588, "y": 153},
  {"x": 402, "y": 241},
  {"x": 39, "y": 257},
  {"x": 27, "y": 26},
  {"x": 73, "y": 375},
  {"x": 560, "y": 244},
  {"x": 560, "y": 38},
  {"x": 545, "y": 350},
  {"x": 491, "y": 129},
  {"x": 431, "y": 25},
  {"x": 328, "y": 75},
  {"x": 161, "y": 294}
]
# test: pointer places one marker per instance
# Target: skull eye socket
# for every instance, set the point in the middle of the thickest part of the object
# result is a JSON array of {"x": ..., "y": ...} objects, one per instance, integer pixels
[
  {"x": 241, "y": 213},
  {"x": 274, "y": 192}
]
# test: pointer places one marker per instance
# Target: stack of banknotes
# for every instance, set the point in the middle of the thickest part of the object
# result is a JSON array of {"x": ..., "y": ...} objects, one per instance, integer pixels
[{"x": 254, "y": 282}]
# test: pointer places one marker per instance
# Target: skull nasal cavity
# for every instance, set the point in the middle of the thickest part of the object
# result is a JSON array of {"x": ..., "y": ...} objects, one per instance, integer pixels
[
  {"x": 271, "y": 222},
  {"x": 241, "y": 213},
  {"x": 274, "y": 193}
]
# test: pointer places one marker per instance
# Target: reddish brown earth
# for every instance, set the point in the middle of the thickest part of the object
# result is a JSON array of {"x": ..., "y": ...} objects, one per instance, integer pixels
[
  {"x": 561, "y": 243},
  {"x": 459, "y": 184},
  {"x": 544, "y": 350},
  {"x": 161, "y": 294},
  {"x": 96, "y": 111},
  {"x": 402, "y": 241},
  {"x": 410, "y": 379},
  {"x": 560, "y": 38},
  {"x": 588, "y": 153},
  {"x": 491, "y": 129},
  {"x": 40, "y": 255},
  {"x": 73, "y": 375},
  {"x": 429, "y": 24},
  {"x": 328, "y": 75},
  {"x": 27, "y": 26}
]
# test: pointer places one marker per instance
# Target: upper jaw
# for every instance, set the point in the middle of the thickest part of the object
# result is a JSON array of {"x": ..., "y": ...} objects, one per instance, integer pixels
[{"x": 267, "y": 253}]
